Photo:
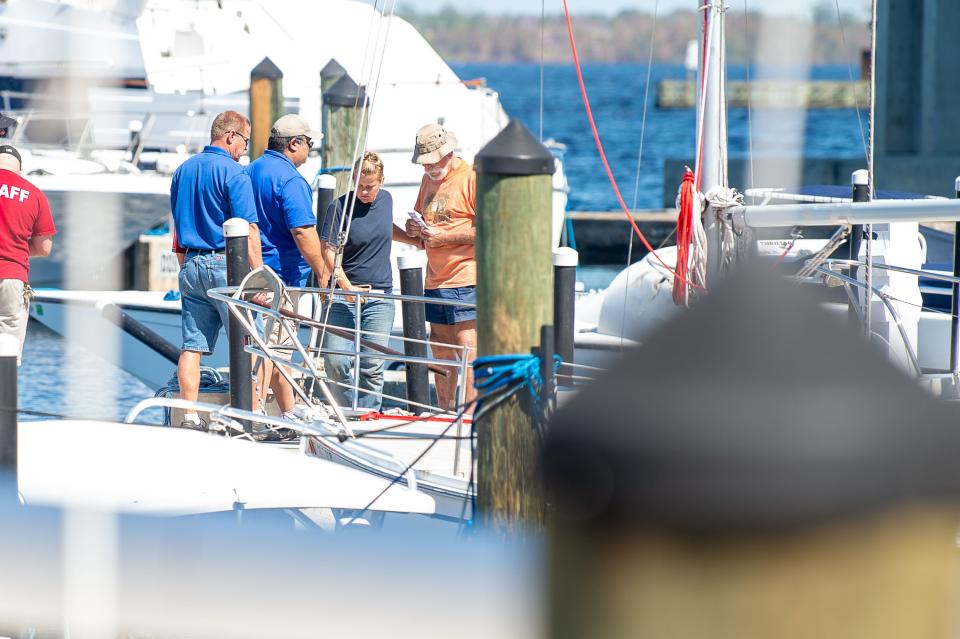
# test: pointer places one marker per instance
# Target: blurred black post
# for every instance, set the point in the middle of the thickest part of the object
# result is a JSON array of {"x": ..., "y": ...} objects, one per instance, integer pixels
[
  {"x": 861, "y": 193},
  {"x": 565, "y": 261},
  {"x": 410, "y": 266},
  {"x": 547, "y": 351},
  {"x": 9, "y": 349},
  {"x": 241, "y": 368},
  {"x": 326, "y": 193}
]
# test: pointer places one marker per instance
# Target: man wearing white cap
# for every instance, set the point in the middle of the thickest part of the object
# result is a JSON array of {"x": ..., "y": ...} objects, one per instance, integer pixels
[
  {"x": 447, "y": 204},
  {"x": 288, "y": 225},
  {"x": 26, "y": 230},
  {"x": 284, "y": 200}
]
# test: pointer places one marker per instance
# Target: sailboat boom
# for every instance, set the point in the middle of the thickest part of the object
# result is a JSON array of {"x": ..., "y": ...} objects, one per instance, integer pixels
[{"x": 833, "y": 214}]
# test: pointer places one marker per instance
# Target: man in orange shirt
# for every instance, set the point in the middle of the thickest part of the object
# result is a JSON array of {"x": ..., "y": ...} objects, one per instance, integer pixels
[{"x": 447, "y": 204}]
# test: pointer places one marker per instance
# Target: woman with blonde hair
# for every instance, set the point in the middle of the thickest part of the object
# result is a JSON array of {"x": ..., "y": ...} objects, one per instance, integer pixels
[{"x": 365, "y": 266}]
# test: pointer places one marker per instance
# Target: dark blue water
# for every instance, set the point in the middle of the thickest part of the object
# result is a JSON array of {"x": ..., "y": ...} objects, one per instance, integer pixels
[
  {"x": 99, "y": 390},
  {"x": 616, "y": 94}
]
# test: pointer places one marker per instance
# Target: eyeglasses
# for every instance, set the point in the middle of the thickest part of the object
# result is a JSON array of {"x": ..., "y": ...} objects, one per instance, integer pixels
[
  {"x": 246, "y": 140},
  {"x": 306, "y": 140}
]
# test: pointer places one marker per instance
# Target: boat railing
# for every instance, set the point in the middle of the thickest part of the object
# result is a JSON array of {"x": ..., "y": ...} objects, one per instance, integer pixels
[
  {"x": 240, "y": 304},
  {"x": 831, "y": 269}
]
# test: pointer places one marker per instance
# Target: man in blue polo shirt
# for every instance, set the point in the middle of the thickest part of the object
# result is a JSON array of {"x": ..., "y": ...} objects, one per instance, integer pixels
[
  {"x": 284, "y": 202},
  {"x": 206, "y": 190}
]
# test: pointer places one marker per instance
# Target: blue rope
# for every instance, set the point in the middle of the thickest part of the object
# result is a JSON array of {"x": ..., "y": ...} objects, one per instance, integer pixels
[
  {"x": 211, "y": 381},
  {"x": 571, "y": 240},
  {"x": 495, "y": 373}
]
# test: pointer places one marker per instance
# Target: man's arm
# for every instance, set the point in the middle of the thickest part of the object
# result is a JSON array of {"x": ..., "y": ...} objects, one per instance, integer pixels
[
  {"x": 254, "y": 255},
  {"x": 308, "y": 243},
  {"x": 41, "y": 245},
  {"x": 433, "y": 237}
]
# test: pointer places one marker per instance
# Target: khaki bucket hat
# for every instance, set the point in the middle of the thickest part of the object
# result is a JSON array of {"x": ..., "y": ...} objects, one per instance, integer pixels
[{"x": 433, "y": 142}]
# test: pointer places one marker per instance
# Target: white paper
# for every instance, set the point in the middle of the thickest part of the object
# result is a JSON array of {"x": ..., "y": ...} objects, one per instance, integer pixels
[{"x": 416, "y": 217}]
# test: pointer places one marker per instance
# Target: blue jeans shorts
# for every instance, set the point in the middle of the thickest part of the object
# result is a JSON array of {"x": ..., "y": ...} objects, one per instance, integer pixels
[
  {"x": 201, "y": 317},
  {"x": 445, "y": 314}
]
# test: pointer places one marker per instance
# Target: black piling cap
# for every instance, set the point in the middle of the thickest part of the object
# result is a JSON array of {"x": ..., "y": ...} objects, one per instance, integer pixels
[
  {"x": 515, "y": 151},
  {"x": 266, "y": 69},
  {"x": 754, "y": 411},
  {"x": 345, "y": 92},
  {"x": 332, "y": 69}
]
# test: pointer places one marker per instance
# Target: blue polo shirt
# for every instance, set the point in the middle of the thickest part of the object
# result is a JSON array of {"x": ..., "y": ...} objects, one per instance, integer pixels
[
  {"x": 366, "y": 255},
  {"x": 207, "y": 189},
  {"x": 284, "y": 201}
]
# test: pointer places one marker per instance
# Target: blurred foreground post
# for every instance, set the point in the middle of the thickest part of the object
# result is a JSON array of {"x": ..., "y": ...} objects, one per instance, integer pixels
[
  {"x": 9, "y": 349},
  {"x": 514, "y": 299},
  {"x": 729, "y": 493},
  {"x": 266, "y": 104}
]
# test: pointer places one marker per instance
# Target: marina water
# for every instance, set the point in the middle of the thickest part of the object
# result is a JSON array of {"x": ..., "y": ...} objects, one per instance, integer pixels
[{"x": 61, "y": 379}]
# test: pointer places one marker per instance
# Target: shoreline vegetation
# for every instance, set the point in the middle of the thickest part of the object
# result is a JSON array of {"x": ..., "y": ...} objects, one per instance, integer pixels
[{"x": 464, "y": 37}]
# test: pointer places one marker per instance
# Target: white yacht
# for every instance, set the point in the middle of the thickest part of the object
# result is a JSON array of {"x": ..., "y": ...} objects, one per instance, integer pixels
[{"x": 123, "y": 92}]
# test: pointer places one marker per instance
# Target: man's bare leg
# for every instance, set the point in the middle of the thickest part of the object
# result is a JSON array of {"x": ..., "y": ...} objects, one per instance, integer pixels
[
  {"x": 282, "y": 391},
  {"x": 465, "y": 334},
  {"x": 459, "y": 335},
  {"x": 440, "y": 335},
  {"x": 188, "y": 375}
]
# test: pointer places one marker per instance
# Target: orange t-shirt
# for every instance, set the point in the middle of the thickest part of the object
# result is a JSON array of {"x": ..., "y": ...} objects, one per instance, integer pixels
[{"x": 450, "y": 205}]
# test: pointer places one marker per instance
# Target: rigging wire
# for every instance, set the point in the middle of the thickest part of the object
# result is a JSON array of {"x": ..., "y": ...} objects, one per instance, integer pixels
[
  {"x": 363, "y": 131},
  {"x": 543, "y": 26},
  {"x": 856, "y": 102},
  {"x": 603, "y": 155},
  {"x": 636, "y": 183},
  {"x": 646, "y": 95}
]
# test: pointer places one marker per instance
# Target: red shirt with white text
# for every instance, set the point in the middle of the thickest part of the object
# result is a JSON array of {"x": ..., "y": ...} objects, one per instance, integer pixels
[{"x": 24, "y": 213}]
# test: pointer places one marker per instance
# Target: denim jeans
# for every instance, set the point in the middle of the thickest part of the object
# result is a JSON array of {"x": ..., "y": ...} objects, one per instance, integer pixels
[
  {"x": 376, "y": 315},
  {"x": 201, "y": 317}
]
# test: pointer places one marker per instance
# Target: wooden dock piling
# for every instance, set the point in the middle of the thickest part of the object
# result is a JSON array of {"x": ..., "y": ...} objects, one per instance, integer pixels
[
  {"x": 266, "y": 104},
  {"x": 772, "y": 94},
  {"x": 514, "y": 300},
  {"x": 344, "y": 112}
]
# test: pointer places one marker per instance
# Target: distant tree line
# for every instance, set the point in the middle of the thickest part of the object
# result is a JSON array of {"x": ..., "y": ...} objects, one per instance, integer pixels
[{"x": 475, "y": 37}]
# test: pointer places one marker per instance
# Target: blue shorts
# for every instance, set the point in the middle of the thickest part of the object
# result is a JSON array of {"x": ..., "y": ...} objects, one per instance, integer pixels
[
  {"x": 446, "y": 314},
  {"x": 201, "y": 317}
]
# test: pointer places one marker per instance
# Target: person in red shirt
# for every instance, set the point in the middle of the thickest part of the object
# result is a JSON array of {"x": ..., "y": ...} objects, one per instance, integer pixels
[{"x": 26, "y": 230}]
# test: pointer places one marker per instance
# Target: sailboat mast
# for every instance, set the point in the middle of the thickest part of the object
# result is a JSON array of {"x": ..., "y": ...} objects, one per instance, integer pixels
[{"x": 711, "y": 167}]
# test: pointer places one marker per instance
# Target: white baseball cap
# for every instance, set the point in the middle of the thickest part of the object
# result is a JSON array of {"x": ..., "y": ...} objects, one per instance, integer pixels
[{"x": 292, "y": 125}]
